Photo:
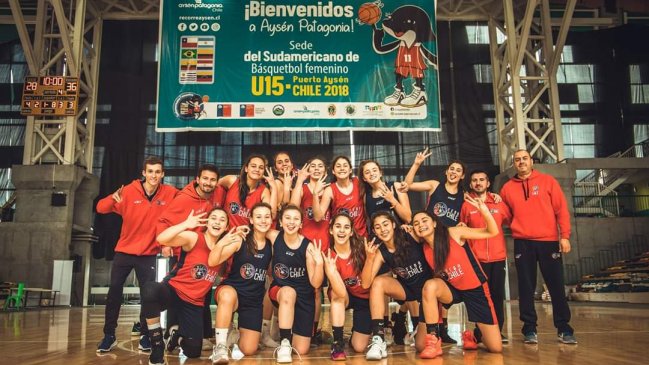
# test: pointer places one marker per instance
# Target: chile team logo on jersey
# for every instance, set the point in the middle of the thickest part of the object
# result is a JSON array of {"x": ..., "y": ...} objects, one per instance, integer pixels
[
  {"x": 309, "y": 213},
  {"x": 199, "y": 271},
  {"x": 440, "y": 209},
  {"x": 280, "y": 271},
  {"x": 247, "y": 271},
  {"x": 400, "y": 272},
  {"x": 351, "y": 282},
  {"x": 234, "y": 208}
]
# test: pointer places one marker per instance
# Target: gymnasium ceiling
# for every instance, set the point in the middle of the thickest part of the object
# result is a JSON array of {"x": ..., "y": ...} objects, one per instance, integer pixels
[{"x": 447, "y": 9}]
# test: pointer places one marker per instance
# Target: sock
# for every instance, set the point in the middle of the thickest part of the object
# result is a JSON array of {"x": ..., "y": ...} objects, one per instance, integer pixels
[
  {"x": 415, "y": 322},
  {"x": 221, "y": 335},
  {"x": 445, "y": 322},
  {"x": 315, "y": 327},
  {"x": 286, "y": 334},
  {"x": 265, "y": 327},
  {"x": 338, "y": 334},
  {"x": 432, "y": 328},
  {"x": 386, "y": 320},
  {"x": 377, "y": 328},
  {"x": 155, "y": 334}
]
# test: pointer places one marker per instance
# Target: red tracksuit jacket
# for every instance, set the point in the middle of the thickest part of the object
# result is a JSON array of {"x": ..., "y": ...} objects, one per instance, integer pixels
[
  {"x": 538, "y": 206},
  {"x": 490, "y": 249},
  {"x": 139, "y": 215}
]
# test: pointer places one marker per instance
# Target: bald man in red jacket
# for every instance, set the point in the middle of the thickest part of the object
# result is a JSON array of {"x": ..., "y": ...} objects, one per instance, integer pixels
[{"x": 541, "y": 229}]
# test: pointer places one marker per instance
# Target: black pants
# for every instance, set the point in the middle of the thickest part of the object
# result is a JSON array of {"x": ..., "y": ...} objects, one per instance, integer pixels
[
  {"x": 495, "y": 272},
  {"x": 172, "y": 316},
  {"x": 158, "y": 297},
  {"x": 121, "y": 268},
  {"x": 527, "y": 254}
]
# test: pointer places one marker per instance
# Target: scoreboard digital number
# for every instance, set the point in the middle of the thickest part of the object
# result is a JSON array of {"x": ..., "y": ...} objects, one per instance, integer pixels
[{"x": 50, "y": 95}]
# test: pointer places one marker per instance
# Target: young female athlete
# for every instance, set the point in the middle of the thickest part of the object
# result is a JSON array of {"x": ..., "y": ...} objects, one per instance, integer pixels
[
  {"x": 341, "y": 196},
  {"x": 247, "y": 189},
  {"x": 185, "y": 287},
  {"x": 380, "y": 195},
  {"x": 405, "y": 257},
  {"x": 343, "y": 267},
  {"x": 285, "y": 177},
  {"x": 243, "y": 287},
  {"x": 302, "y": 196},
  {"x": 459, "y": 278},
  {"x": 444, "y": 202},
  {"x": 297, "y": 270}
]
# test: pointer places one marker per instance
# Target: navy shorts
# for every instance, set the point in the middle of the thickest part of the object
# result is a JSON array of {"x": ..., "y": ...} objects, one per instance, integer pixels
[
  {"x": 250, "y": 312},
  {"x": 361, "y": 318},
  {"x": 304, "y": 311},
  {"x": 478, "y": 303}
]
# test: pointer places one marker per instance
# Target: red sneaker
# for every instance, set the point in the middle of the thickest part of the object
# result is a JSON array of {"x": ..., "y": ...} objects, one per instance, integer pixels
[
  {"x": 468, "y": 340},
  {"x": 433, "y": 347}
]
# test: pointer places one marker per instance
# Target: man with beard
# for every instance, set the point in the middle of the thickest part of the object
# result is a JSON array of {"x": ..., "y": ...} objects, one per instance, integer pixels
[
  {"x": 490, "y": 252},
  {"x": 140, "y": 203},
  {"x": 201, "y": 196}
]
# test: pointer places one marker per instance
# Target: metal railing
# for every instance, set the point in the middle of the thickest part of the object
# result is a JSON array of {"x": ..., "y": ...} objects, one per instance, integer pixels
[{"x": 611, "y": 205}]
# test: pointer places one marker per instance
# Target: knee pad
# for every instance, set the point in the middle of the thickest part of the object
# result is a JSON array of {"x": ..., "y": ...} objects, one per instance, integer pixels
[{"x": 191, "y": 346}]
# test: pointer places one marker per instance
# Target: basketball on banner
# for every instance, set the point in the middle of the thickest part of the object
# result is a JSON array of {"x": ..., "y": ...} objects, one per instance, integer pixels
[{"x": 369, "y": 13}]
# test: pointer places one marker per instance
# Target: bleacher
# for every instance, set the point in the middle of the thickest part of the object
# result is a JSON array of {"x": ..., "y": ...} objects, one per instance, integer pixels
[{"x": 625, "y": 280}]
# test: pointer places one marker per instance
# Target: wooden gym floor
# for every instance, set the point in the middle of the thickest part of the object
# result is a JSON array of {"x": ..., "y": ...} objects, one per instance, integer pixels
[{"x": 607, "y": 334}]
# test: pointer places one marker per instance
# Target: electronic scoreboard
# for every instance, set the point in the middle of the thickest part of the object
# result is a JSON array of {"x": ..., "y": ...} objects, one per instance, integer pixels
[{"x": 50, "y": 95}]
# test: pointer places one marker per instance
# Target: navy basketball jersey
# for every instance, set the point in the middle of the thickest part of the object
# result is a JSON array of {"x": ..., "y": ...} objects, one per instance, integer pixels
[
  {"x": 247, "y": 273},
  {"x": 289, "y": 266},
  {"x": 446, "y": 206},
  {"x": 415, "y": 271}
]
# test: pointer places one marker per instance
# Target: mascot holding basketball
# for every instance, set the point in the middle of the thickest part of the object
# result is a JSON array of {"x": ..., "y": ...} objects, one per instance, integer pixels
[{"x": 411, "y": 26}]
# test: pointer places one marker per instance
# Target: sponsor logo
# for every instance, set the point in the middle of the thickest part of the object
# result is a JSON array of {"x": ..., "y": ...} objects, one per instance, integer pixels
[
  {"x": 278, "y": 110},
  {"x": 331, "y": 109},
  {"x": 188, "y": 106},
  {"x": 350, "y": 110},
  {"x": 305, "y": 110},
  {"x": 247, "y": 110},
  {"x": 224, "y": 110}
]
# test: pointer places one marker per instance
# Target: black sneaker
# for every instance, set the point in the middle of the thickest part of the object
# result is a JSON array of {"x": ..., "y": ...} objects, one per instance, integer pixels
[
  {"x": 135, "y": 331},
  {"x": 504, "y": 338},
  {"x": 157, "y": 356},
  {"x": 172, "y": 340},
  {"x": 107, "y": 343},
  {"x": 316, "y": 339},
  {"x": 444, "y": 335},
  {"x": 399, "y": 331},
  {"x": 145, "y": 343}
]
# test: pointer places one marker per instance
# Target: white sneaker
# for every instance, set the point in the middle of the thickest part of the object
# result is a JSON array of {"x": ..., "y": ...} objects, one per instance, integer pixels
[
  {"x": 267, "y": 341},
  {"x": 409, "y": 340},
  {"x": 236, "y": 352},
  {"x": 220, "y": 354},
  {"x": 284, "y": 352},
  {"x": 416, "y": 98},
  {"x": 377, "y": 349},
  {"x": 233, "y": 337},
  {"x": 396, "y": 97},
  {"x": 389, "y": 338}
]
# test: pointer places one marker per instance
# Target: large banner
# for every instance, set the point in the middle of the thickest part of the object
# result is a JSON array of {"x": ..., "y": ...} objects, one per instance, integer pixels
[{"x": 298, "y": 65}]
